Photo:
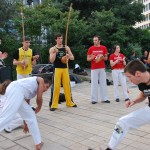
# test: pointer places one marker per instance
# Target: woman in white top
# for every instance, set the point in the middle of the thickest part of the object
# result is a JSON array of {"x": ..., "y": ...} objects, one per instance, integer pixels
[{"x": 16, "y": 93}]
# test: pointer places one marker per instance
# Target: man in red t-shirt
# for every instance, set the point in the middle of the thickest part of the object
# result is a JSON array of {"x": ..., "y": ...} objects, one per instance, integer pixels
[{"x": 97, "y": 54}]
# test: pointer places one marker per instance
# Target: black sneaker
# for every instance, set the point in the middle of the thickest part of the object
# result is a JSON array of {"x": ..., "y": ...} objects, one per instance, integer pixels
[
  {"x": 52, "y": 109},
  {"x": 93, "y": 102},
  {"x": 107, "y": 101},
  {"x": 74, "y": 105},
  {"x": 117, "y": 100}
]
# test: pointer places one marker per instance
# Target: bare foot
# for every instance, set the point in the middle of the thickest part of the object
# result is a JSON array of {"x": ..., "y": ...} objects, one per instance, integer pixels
[{"x": 39, "y": 146}]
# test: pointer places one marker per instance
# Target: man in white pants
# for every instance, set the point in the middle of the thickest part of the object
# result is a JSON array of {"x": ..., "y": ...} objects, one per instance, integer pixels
[
  {"x": 97, "y": 54},
  {"x": 16, "y": 93},
  {"x": 137, "y": 74}
]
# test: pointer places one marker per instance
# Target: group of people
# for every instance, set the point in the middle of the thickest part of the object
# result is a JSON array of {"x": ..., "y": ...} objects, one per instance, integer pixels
[
  {"x": 15, "y": 96},
  {"x": 135, "y": 71},
  {"x": 98, "y": 54}
]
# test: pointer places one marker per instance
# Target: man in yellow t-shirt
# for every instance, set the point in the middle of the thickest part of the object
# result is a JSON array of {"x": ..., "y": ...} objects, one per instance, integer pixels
[{"x": 24, "y": 58}]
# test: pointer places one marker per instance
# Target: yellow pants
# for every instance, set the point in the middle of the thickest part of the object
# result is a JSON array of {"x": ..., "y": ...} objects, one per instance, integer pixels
[{"x": 61, "y": 75}]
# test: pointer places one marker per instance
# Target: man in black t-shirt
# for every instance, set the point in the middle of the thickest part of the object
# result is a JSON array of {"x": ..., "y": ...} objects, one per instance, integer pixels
[{"x": 136, "y": 72}]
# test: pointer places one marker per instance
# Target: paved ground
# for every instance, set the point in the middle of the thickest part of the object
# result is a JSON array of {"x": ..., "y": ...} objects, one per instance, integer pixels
[{"x": 82, "y": 127}]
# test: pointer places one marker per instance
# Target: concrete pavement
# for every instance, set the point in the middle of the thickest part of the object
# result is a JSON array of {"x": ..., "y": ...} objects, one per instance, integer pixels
[{"x": 82, "y": 127}]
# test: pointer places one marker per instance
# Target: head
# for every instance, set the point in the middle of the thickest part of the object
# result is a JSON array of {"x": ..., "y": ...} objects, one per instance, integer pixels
[
  {"x": 3, "y": 86},
  {"x": 145, "y": 53},
  {"x": 133, "y": 53},
  {"x": 116, "y": 49},
  {"x": 47, "y": 84},
  {"x": 26, "y": 43},
  {"x": 134, "y": 70},
  {"x": 96, "y": 40},
  {"x": 59, "y": 39}
]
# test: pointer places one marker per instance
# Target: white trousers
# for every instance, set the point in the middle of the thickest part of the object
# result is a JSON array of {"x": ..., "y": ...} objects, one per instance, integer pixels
[
  {"x": 118, "y": 76},
  {"x": 133, "y": 120},
  {"x": 98, "y": 74},
  {"x": 15, "y": 123},
  {"x": 15, "y": 103}
]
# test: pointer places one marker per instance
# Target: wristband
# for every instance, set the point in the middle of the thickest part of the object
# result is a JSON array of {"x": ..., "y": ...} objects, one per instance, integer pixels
[{"x": 127, "y": 99}]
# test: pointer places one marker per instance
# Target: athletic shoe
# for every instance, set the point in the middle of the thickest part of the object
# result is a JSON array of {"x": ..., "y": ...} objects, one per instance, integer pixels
[
  {"x": 52, "y": 109},
  {"x": 93, "y": 102},
  {"x": 117, "y": 100},
  {"x": 127, "y": 99},
  {"x": 74, "y": 105},
  {"x": 107, "y": 101},
  {"x": 7, "y": 130}
]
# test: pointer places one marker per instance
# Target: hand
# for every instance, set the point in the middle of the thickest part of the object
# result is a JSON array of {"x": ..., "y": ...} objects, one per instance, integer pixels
[
  {"x": 4, "y": 55},
  {"x": 129, "y": 103},
  {"x": 24, "y": 65},
  {"x": 64, "y": 59},
  {"x": 37, "y": 109},
  {"x": 99, "y": 58},
  {"x": 23, "y": 62},
  {"x": 36, "y": 57},
  {"x": 25, "y": 128}
]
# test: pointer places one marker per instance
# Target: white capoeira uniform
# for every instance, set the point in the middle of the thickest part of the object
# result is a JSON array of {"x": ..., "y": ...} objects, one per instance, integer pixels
[
  {"x": 98, "y": 73},
  {"x": 118, "y": 75},
  {"x": 17, "y": 120},
  {"x": 16, "y": 93},
  {"x": 131, "y": 121}
]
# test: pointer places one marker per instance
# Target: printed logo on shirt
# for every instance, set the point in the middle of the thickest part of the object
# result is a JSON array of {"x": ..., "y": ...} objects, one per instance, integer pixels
[{"x": 97, "y": 52}]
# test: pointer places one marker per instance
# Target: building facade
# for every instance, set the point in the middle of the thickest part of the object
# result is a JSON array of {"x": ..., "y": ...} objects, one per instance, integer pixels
[{"x": 146, "y": 12}]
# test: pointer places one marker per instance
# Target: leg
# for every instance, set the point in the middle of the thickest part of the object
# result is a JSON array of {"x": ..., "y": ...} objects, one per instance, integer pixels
[
  {"x": 115, "y": 77},
  {"x": 56, "y": 89},
  {"x": 13, "y": 101},
  {"x": 133, "y": 120},
  {"x": 123, "y": 84},
  {"x": 94, "y": 85},
  {"x": 103, "y": 85},
  {"x": 66, "y": 86},
  {"x": 15, "y": 123},
  {"x": 28, "y": 115}
]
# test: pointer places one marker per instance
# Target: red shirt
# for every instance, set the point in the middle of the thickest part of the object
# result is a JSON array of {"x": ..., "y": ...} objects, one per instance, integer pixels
[
  {"x": 96, "y": 51},
  {"x": 119, "y": 65}
]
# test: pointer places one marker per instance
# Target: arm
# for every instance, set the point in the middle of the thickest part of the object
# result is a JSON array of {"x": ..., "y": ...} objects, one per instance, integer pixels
[
  {"x": 148, "y": 59},
  {"x": 139, "y": 99},
  {"x": 16, "y": 62},
  {"x": 69, "y": 53},
  {"x": 105, "y": 57},
  {"x": 90, "y": 57},
  {"x": 52, "y": 54},
  {"x": 16, "y": 58},
  {"x": 40, "y": 91}
]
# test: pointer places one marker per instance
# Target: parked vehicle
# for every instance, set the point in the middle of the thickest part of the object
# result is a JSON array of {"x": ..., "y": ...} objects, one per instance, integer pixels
[{"x": 42, "y": 70}]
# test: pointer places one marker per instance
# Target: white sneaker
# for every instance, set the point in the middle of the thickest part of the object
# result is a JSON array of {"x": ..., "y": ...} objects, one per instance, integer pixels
[{"x": 7, "y": 130}]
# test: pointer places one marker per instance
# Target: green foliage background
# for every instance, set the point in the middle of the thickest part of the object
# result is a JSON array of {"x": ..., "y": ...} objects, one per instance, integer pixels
[{"x": 113, "y": 20}]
